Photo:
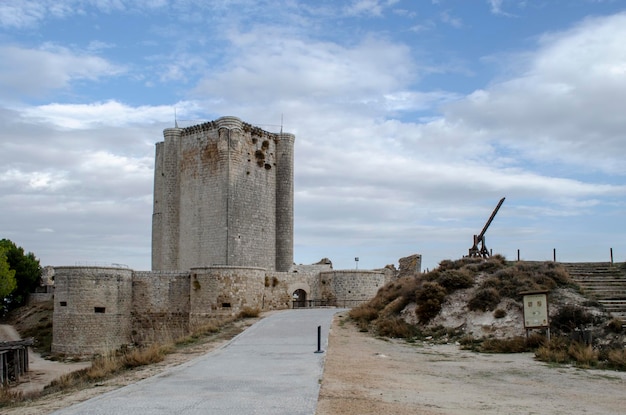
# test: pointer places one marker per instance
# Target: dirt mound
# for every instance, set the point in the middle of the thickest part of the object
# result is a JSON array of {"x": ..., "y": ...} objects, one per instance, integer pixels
[{"x": 479, "y": 298}]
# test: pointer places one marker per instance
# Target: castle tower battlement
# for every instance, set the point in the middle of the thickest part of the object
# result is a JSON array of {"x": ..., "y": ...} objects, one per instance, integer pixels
[{"x": 223, "y": 195}]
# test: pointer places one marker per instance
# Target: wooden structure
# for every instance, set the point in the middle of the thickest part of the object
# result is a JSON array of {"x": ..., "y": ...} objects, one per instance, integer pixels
[
  {"x": 13, "y": 360},
  {"x": 474, "y": 251}
]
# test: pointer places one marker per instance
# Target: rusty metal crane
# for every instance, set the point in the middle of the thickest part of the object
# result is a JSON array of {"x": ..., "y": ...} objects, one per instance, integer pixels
[{"x": 474, "y": 251}]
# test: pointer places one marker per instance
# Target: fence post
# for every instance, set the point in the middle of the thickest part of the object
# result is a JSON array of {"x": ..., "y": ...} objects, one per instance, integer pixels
[
  {"x": 611, "y": 256},
  {"x": 554, "y": 254}
]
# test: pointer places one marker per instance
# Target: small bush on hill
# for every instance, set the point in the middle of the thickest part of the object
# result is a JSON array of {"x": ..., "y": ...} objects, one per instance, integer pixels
[
  {"x": 452, "y": 279},
  {"x": 484, "y": 299},
  {"x": 569, "y": 318},
  {"x": 395, "y": 327},
  {"x": 499, "y": 313},
  {"x": 615, "y": 325},
  {"x": 617, "y": 359},
  {"x": 429, "y": 297}
]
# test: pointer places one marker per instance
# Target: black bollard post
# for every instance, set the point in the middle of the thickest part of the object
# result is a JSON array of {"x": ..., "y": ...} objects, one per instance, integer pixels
[{"x": 319, "y": 340}]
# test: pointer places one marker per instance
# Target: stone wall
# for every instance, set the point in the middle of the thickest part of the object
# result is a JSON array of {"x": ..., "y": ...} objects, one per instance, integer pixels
[
  {"x": 100, "y": 309},
  {"x": 224, "y": 291},
  {"x": 160, "y": 306},
  {"x": 92, "y": 309},
  {"x": 349, "y": 288},
  {"x": 410, "y": 265}
]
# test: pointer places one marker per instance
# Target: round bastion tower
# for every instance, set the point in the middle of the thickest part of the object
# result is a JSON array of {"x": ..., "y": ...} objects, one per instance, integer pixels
[{"x": 92, "y": 310}]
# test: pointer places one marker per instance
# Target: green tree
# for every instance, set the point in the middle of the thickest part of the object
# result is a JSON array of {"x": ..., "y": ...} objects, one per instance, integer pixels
[
  {"x": 27, "y": 273},
  {"x": 7, "y": 275}
]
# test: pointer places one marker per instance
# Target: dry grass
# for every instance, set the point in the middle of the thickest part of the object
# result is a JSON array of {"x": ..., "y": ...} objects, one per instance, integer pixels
[
  {"x": 10, "y": 397},
  {"x": 249, "y": 312},
  {"x": 516, "y": 344},
  {"x": 563, "y": 350},
  {"x": 583, "y": 355},
  {"x": 617, "y": 359},
  {"x": 395, "y": 327}
]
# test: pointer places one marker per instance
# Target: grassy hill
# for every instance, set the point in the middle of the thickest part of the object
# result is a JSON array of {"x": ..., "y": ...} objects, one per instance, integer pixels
[{"x": 477, "y": 303}]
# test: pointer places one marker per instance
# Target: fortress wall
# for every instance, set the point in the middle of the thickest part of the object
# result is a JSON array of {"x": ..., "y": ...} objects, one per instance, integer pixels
[
  {"x": 92, "y": 310},
  {"x": 280, "y": 286},
  {"x": 351, "y": 287},
  {"x": 160, "y": 306},
  {"x": 224, "y": 291}
]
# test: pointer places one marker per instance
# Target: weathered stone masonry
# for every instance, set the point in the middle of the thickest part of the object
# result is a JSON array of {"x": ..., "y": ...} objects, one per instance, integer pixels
[
  {"x": 222, "y": 240},
  {"x": 223, "y": 195}
]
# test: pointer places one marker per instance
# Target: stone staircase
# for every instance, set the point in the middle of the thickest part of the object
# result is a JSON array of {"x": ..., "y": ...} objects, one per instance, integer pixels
[{"x": 602, "y": 281}]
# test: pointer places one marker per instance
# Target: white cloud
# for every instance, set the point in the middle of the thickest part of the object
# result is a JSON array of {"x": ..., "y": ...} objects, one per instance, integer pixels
[
  {"x": 369, "y": 7},
  {"x": 105, "y": 114},
  {"x": 566, "y": 103},
  {"x": 35, "y": 72},
  {"x": 286, "y": 67}
]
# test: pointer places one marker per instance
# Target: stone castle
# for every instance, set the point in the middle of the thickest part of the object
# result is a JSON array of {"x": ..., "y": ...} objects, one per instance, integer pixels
[{"x": 222, "y": 240}]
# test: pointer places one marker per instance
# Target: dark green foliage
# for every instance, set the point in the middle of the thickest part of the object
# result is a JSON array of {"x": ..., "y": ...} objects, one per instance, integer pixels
[
  {"x": 429, "y": 297},
  {"x": 7, "y": 275},
  {"x": 499, "y": 313},
  {"x": 456, "y": 279},
  {"x": 516, "y": 344},
  {"x": 27, "y": 273},
  {"x": 615, "y": 325},
  {"x": 569, "y": 318},
  {"x": 510, "y": 281},
  {"x": 395, "y": 327},
  {"x": 484, "y": 299}
]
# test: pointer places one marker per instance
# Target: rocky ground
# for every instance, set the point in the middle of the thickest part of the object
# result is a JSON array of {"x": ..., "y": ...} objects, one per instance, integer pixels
[{"x": 368, "y": 375}]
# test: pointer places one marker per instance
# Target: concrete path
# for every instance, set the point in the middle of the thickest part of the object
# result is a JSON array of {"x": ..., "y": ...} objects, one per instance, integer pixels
[{"x": 271, "y": 368}]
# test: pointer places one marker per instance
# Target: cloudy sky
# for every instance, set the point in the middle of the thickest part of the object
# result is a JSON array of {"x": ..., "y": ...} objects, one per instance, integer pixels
[{"x": 412, "y": 119}]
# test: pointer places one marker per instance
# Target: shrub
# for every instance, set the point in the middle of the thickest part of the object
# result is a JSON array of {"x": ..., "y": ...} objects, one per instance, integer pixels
[
  {"x": 453, "y": 280},
  {"x": 554, "y": 351},
  {"x": 570, "y": 317},
  {"x": 499, "y": 313},
  {"x": 546, "y": 354},
  {"x": 394, "y": 327},
  {"x": 143, "y": 356},
  {"x": 249, "y": 312},
  {"x": 9, "y": 396},
  {"x": 364, "y": 312},
  {"x": 617, "y": 359},
  {"x": 584, "y": 355},
  {"x": 615, "y": 325},
  {"x": 484, "y": 299},
  {"x": 512, "y": 345},
  {"x": 429, "y": 298}
]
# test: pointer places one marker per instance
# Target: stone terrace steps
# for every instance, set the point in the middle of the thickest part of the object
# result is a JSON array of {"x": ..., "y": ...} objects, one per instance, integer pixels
[{"x": 604, "y": 282}]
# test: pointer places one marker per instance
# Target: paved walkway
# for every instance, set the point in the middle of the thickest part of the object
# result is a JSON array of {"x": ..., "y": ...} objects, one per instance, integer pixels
[{"x": 271, "y": 368}]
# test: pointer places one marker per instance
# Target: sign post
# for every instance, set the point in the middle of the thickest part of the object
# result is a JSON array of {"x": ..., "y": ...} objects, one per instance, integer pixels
[{"x": 536, "y": 311}]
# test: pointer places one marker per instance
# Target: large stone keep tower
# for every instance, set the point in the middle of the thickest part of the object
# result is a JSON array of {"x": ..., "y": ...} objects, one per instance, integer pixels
[{"x": 223, "y": 195}]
